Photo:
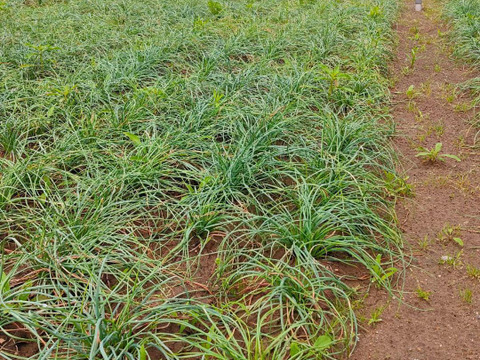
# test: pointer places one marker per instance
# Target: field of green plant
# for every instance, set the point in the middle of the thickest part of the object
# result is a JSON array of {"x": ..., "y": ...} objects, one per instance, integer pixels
[
  {"x": 464, "y": 15},
  {"x": 178, "y": 176}
]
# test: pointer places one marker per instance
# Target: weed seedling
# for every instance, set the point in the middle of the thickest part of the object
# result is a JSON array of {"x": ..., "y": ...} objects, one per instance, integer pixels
[
  {"x": 217, "y": 99},
  {"x": 382, "y": 275},
  {"x": 39, "y": 51},
  {"x": 411, "y": 93},
  {"x": 420, "y": 116},
  {"x": 375, "y": 316},
  {"x": 450, "y": 233},
  {"x": 424, "y": 243},
  {"x": 215, "y": 7},
  {"x": 473, "y": 271},
  {"x": 333, "y": 75},
  {"x": 463, "y": 107},
  {"x": 466, "y": 295},
  {"x": 434, "y": 155},
  {"x": 422, "y": 294},
  {"x": 398, "y": 186},
  {"x": 413, "y": 57},
  {"x": 412, "y": 107},
  {"x": 439, "y": 129},
  {"x": 453, "y": 261}
]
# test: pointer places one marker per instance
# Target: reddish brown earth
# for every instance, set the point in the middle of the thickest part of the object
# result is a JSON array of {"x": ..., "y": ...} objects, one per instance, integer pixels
[{"x": 446, "y": 326}]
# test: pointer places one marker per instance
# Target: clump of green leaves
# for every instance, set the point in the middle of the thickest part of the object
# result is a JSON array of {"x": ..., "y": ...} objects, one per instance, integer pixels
[
  {"x": 412, "y": 59},
  {"x": 375, "y": 315},
  {"x": 473, "y": 271},
  {"x": 452, "y": 260},
  {"x": 375, "y": 11},
  {"x": 380, "y": 274},
  {"x": 39, "y": 53},
  {"x": 450, "y": 233},
  {"x": 398, "y": 186},
  {"x": 333, "y": 76},
  {"x": 215, "y": 7},
  {"x": 320, "y": 347},
  {"x": 466, "y": 295},
  {"x": 424, "y": 243},
  {"x": 434, "y": 154},
  {"x": 411, "y": 92},
  {"x": 422, "y": 294}
]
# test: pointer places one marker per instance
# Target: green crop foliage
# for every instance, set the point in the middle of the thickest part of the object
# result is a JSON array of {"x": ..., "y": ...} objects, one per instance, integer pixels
[
  {"x": 464, "y": 15},
  {"x": 175, "y": 174}
]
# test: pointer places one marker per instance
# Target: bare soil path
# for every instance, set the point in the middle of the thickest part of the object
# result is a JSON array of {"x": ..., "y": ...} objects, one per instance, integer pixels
[{"x": 445, "y": 323}]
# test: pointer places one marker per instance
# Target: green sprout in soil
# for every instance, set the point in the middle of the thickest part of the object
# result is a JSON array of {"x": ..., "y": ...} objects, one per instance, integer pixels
[
  {"x": 422, "y": 294},
  {"x": 375, "y": 315},
  {"x": 434, "y": 154},
  {"x": 466, "y": 295},
  {"x": 473, "y": 271}
]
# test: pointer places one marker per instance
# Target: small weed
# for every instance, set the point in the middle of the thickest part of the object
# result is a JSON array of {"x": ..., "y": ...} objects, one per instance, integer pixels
[
  {"x": 412, "y": 107},
  {"x": 199, "y": 23},
  {"x": 63, "y": 92},
  {"x": 450, "y": 93},
  {"x": 215, "y": 7},
  {"x": 452, "y": 260},
  {"x": 466, "y": 295},
  {"x": 411, "y": 92},
  {"x": 406, "y": 70},
  {"x": 414, "y": 30},
  {"x": 422, "y": 294},
  {"x": 412, "y": 59},
  {"x": 39, "y": 53},
  {"x": 426, "y": 88},
  {"x": 217, "y": 98},
  {"x": 424, "y": 243},
  {"x": 375, "y": 316},
  {"x": 434, "y": 154},
  {"x": 437, "y": 68},
  {"x": 375, "y": 11},
  {"x": 419, "y": 116},
  {"x": 450, "y": 233},
  {"x": 398, "y": 186},
  {"x": 473, "y": 271},
  {"x": 463, "y": 107},
  {"x": 333, "y": 76},
  {"x": 382, "y": 275},
  {"x": 438, "y": 128}
]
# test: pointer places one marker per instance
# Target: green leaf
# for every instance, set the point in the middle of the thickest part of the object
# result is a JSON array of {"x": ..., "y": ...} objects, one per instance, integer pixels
[
  {"x": 135, "y": 139},
  {"x": 4, "y": 284},
  {"x": 454, "y": 157},
  {"x": 50, "y": 111},
  {"x": 438, "y": 147},
  {"x": 422, "y": 154},
  {"x": 294, "y": 348},
  {"x": 458, "y": 241},
  {"x": 26, "y": 293},
  {"x": 389, "y": 272},
  {"x": 323, "y": 343},
  {"x": 142, "y": 353}
]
